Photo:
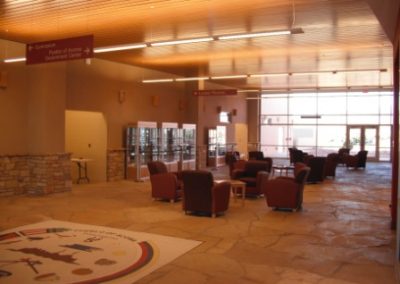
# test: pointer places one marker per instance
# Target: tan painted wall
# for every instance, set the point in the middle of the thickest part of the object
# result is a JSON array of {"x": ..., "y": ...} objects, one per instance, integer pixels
[
  {"x": 31, "y": 106},
  {"x": 209, "y": 116},
  {"x": 252, "y": 121},
  {"x": 46, "y": 120},
  {"x": 86, "y": 137},
  {"x": 13, "y": 103},
  {"x": 96, "y": 87}
]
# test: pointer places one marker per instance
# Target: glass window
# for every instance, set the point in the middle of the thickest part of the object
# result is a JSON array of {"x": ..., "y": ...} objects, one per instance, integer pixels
[
  {"x": 303, "y": 105},
  {"x": 361, "y": 103},
  {"x": 363, "y": 119},
  {"x": 274, "y": 105},
  {"x": 332, "y": 119},
  {"x": 224, "y": 117},
  {"x": 317, "y": 122},
  {"x": 332, "y": 105},
  {"x": 274, "y": 135}
]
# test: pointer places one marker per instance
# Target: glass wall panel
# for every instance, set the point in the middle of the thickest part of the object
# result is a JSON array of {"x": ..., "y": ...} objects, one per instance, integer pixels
[
  {"x": 298, "y": 119},
  {"x": 386, "y": 104},
  {"x": 332, "y": 119},
  {"x": 274, "y": 119},
  {"x": 287, "y": 121},
  {"x": 275, "y": 135},
  {"x": 331, "y": 136},
  {"x": 363, "y": 119},
  {"x": 303, "y": 105},
  {"x": 385, "y": 133},
  {"x": 363, "y": 104},
  {"x": 274, "y": 106},
  {"x": 332, "y": 105}
]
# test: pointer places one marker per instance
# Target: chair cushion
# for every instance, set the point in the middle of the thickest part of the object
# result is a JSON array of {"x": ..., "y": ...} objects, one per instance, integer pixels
[{"x": 250, "y": 181}]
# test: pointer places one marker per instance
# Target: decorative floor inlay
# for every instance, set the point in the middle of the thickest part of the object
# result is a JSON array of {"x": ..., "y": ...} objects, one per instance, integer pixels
[{"x": 63, "y": 252}]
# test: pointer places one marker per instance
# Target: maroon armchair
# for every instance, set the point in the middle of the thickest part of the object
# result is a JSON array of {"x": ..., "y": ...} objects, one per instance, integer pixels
[
  {"x": 343, "y": 152},
  {"x": 254, "y": 174},
  {"x": 287, "y": 192},
  {"x": 232, "y": 159},
  {"x": 331, "y": 163},
  {"x": 201, "y": 195},
  {"x": 164, "y": 184},
  {"x": 317, "y": 169},
  {"x": 356, "y": 161},
  {"x": 259, "y": 156}
]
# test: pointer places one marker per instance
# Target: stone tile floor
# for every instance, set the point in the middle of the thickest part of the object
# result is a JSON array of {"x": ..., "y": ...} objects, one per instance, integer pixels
[{"x": 342, "y": 234}]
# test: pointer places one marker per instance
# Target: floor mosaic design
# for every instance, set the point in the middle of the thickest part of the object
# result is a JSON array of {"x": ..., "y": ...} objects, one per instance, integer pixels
[{"x": 63, "y": 252}]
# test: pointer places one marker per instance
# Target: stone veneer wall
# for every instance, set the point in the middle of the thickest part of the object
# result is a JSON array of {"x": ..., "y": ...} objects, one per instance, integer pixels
[
  {"x": 35, "y": 174},
  {"x": 115, "y": 164}
]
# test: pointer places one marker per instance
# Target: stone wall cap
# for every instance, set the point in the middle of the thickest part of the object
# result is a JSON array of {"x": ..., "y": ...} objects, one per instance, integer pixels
[{"x": 34, "y": 155}]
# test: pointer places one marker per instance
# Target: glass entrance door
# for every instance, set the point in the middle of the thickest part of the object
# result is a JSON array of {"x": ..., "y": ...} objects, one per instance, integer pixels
[{"x": 363, "y": 137}]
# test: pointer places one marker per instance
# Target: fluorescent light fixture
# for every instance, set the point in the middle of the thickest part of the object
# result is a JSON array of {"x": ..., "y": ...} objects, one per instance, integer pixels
[
  {"x": 182, "y": 41},
  {"x": 268, "y": 75},
  {"x": 191, "y": 79},
  {"x": 15, "y": 59},
  {"x": 358, "y": 70},
  {"x": 228, "y": 77},
  {"x": 252, "y": 35},
  {"x": 158, "y": 81},
  {"x": 249, "y": 91},
  {"x": 309, "y": 73},
  {"x": 119, "y": 47}
]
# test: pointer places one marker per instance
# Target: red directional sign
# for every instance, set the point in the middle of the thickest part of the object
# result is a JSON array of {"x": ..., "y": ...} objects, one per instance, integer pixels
[
  {"x": 220, "y": 92},
  {"x": 60, "y": 50}
]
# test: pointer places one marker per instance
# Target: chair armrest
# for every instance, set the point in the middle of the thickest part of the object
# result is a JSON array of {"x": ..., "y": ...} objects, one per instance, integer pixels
[{"x": 220, "y": 196}]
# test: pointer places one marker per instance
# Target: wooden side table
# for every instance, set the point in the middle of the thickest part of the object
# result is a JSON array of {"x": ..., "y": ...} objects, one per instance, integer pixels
[
  {"x": 281, "y": 169},
  {"x": 238, "y": 185}
]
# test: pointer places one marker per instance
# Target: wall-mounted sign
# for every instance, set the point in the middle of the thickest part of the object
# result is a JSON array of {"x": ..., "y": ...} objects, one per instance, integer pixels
[
  {"x": 219, "y": 92},
  {"x": 60, "y": 50}
]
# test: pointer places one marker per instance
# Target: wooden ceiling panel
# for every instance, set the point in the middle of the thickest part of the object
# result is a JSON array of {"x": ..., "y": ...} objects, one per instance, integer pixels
[{"x": 338, "y": 34}]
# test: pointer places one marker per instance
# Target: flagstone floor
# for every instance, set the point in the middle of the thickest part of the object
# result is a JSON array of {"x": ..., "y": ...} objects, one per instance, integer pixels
[{"x": 342, "y": 234}]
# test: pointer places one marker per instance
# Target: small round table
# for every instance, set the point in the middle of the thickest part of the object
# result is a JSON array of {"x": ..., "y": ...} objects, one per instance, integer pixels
[{"x": 281, "y": 169}]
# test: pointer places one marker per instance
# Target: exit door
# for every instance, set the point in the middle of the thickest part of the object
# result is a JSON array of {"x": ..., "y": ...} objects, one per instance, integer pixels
[{"x": 364, "y": 137}]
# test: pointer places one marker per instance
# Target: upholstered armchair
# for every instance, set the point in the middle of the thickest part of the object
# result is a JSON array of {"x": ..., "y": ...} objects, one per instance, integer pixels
[
  {"x": 331, "y": 163},
  {"x": 164, "y": 184},
  {"x": 287, "y": 192},
  {"x": 298, "y": 156},
  {"x": 317, "y": 169},
  {"x": 259, "y": 156},
  {"x": 202, "y": 195},
  {"x": 356, "y": 161},
  {"x": 343, "y": 152},
  {"x": 254, "y": 174},
  {"x": 232, "y": 159}
]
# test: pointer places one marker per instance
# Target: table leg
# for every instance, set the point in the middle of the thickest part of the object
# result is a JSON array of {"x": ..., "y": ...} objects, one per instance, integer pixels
[{"x": 243, "y": 194}]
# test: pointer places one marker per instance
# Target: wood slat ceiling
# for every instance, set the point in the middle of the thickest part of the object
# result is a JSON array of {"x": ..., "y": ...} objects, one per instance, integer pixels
[{"x": 338, "y": 34}]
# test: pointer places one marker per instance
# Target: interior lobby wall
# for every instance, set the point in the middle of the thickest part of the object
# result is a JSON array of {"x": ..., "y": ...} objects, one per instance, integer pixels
[
  {"x": 209, "y": 115},
  {"x": 116, "y": 90},
  {"x": 46, "y": 120},
  {"x": 253, "y": 116},
  {"x": 86, "y": 137},
  {"x": 13, "y": 103}
]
